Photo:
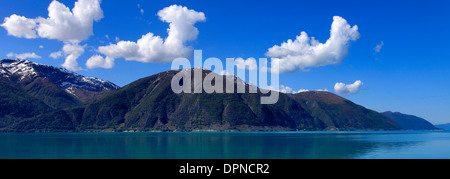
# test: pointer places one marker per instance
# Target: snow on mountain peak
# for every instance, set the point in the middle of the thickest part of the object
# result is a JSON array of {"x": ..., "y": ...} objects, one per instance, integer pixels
[
  {"x": 21, "y": 68},
  {"x": 24, "y": 70}
]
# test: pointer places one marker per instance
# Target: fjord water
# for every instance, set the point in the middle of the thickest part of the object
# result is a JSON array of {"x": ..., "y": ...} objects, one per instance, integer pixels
[{"x": 234, "y": 145}]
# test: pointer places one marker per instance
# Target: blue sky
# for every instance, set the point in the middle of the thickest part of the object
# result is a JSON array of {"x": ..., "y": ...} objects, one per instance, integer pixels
[{"x": 409, "y": 74}]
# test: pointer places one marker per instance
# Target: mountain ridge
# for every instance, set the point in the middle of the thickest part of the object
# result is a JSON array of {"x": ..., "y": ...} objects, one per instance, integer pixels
[
  {"x": 44, "y": 81},
  {"x": 444, "y": 126},
  {"x": 410, "y": 122},
  {"x": 149, "y": 104}
]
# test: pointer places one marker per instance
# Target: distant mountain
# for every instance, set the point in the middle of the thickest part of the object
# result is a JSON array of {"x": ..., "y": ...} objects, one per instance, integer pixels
[
  {"x": 339, "y": 113},
  {"x": 149, "y": 104},
  {"x": 56, "y": 87},
  {"x": 444, "y": 126},
  {"x": 409, "y": 122}
]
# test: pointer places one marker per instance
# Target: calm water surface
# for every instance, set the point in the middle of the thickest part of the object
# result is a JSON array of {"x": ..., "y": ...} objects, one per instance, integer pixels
[{"x": 255, "y": 145}]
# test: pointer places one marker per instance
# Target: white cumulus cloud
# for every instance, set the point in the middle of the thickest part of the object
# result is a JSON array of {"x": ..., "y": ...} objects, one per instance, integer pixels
[
  {"x": 249, "y": 64},
  {"x": 56, "y": 55},
  {"x": 285, "y": 89},
  {"x": 305, "y": 52},
  {"x": 301, "y": 91},
  {"x": 323, "y": 90},
  {"x": 154, "y": 49},
  {"x": 62, "y": 24},
  {"x": 354, "y": 88},
  {"x": 306, "y": 90},
  {"x": 20, "y": 26},
  {"x": 24, "y": 56},
  {"x": 288, "y": 90},
  {"x": 69, "y": 26},
  {"x": 72, "y": 52},
  {"x": 98, "y": 61}
]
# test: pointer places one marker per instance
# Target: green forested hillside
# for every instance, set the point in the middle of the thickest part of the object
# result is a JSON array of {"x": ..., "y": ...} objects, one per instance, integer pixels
[{"x": 149, "y": 104}]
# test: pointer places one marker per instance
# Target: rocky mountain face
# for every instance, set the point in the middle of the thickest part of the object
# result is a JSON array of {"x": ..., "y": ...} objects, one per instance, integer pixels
[
  {"x": 149, "y": 104},
  {"x": 57, "y": 87}
]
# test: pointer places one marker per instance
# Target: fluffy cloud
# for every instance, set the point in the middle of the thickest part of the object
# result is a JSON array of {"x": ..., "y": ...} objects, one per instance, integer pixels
[
  {"x": 72, "y": 52},
  {"x": 285, "y": 89},
  {"x": 305, "y": 90},
  {"x": 61, "y": 24},
  {"x": 323, "y": 90},
  {"x": 56, "y": 55},
  {"x": 20, "y": 26},
  {"x": 24, "y": 56},
  {"x": 377, "y": 48},
  {"x": 305, "y": 52},
  {"x": 98, "y": 61},
  {"x": 154, "y": 49},
  {"x": 354, "y": 88},
  {"x": 249, "y": 64},
  {"x": 301, "y": 91},
  {"x": 69, "y": 26}
]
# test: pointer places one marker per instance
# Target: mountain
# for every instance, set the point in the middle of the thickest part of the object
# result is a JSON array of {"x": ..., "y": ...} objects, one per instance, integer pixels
[
  {"x": 56, "y": 87},
  {"x": 17, "y": 103},
  {"x": 409, "y": 122},
  {"x": 29, "y": 90},
  {"x": 444, "y": 126},
  {"x": 338, "y": 113},
  {"x": 149, "y": 104}
]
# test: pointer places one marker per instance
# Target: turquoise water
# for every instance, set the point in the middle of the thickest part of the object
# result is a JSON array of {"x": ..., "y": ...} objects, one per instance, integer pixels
[{"x": 254, "y": 145}]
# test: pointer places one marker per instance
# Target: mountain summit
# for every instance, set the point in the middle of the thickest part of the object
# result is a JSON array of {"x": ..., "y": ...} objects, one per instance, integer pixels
[
  {"x": 149, "y": 104},
  {"x": 47, "y": 81},
  {"x": 57, "y": 100}
]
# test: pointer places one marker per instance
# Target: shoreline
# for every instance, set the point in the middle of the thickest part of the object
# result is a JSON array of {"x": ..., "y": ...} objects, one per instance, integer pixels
[{"x": 241, "y": 132}]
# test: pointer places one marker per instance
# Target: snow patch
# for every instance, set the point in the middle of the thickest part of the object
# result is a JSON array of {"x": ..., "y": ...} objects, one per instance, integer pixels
[
  {"x": 62, "y": 77},
  {"x": 71, "y": 90}
]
